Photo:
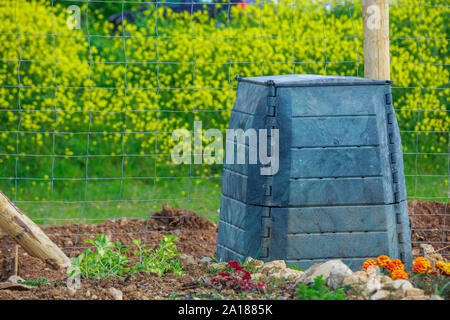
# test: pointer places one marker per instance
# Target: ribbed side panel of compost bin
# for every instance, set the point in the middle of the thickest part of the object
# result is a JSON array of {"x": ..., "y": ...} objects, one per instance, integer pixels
[{"x": 340, "y": 188}]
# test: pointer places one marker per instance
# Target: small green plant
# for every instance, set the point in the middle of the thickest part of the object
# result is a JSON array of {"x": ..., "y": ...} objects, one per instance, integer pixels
[
  {"x": 38, "y": 282},
  {"x": 295, "y": 267},
  {"x": 160, "y": 260},
  {"x": 318, "y": 291},
  {"x": 106, "y": 261}
]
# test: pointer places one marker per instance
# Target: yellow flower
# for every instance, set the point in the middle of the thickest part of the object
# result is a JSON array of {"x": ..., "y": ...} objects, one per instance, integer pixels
[{"x": 440, "y": 265}]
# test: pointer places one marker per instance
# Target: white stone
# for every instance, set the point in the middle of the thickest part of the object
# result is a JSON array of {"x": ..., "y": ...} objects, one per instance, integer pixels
[
  {"x": 402, "y": 285},
  {"x": 205, "y": 260},
  {"x": 116, "y": 293},
  {"x": 436, "y": 297},
  {"x": 15, "y": 279},
  {"x": 338, "y": 273},
  {"x": 333, "y": 271},
  {"x": 71, "y": 291},
  {"x": 380, "y": 295},
  {"x": 372, "y": 285}
]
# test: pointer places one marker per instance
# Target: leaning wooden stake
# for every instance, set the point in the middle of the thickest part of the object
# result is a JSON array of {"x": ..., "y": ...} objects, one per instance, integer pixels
[
  {"x": 26, "y": 233},
  {"x": 376, "y": 39}
]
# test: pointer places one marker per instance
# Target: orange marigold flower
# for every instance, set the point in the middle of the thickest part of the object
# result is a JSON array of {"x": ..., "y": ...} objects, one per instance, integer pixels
[
  {"x": 399, "y": 274},
  {"x": 421, "y": 265},
  {"x": 383, "y": 261},
  {"x": 368, "y": 263},
  {"x": 395, "y": 264}
]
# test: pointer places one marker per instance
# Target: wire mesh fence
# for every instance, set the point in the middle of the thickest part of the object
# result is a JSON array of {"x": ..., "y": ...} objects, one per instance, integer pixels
[{"x": 91, "y": 92}]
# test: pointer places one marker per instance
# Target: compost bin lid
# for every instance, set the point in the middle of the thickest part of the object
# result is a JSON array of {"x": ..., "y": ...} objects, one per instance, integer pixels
[{"x": 311, "y": 80}]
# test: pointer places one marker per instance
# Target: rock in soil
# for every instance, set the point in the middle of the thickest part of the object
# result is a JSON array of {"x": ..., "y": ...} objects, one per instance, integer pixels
[
  {"x": 380, "y": 295},
  {"x": 373, "y": 284},
  {"x": 273, "y": 267},
  {"x": 13, "y": 283},
  {"x": 71, "y": 291},
  {"x": 403, "y": 285},
  {"x": 15, "y": 279},
  {"x": 188, "y": 261},
  {"x": 357, "y": 278},
  {"x": 206, "y": 260},
  {"x": 333, "y": 272},
  {"x": 414, "y": 292},
  {"x": 117, "y": 294}
]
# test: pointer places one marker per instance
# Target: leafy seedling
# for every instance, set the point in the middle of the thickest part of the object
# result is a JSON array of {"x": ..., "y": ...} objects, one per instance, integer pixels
[{"x": 319, "y": 291}]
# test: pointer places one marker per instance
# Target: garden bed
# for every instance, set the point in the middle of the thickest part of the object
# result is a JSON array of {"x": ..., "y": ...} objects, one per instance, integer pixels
[{"x": 197, "y": 237}]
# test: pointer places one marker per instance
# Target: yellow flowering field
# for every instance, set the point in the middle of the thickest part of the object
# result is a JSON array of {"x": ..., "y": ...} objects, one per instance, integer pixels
[{"x": 86, "y": 115}]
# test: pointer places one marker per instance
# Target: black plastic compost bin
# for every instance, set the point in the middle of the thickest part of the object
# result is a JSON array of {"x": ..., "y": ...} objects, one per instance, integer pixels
[{"x": 339, "y": 192}]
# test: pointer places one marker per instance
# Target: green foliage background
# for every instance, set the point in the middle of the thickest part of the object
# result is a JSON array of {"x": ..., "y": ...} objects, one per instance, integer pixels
[{"x": 86, "y": 116}]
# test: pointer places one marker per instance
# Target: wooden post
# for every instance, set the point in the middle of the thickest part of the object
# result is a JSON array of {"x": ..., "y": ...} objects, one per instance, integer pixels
[
  {"x": 26, "y": 233},
  {"x": 376, "y": 39}
]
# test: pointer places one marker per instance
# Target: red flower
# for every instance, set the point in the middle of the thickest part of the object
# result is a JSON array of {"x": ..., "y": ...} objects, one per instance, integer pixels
[
  {"x": 235, "y": 265},
  {"x": 260, "y": 283},
  {"x": 224, "y": 274},
  {"x": 247, "y": 276}
]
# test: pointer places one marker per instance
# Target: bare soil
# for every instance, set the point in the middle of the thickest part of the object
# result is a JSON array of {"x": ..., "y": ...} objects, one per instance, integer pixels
[{"x": 429, "y": 221}]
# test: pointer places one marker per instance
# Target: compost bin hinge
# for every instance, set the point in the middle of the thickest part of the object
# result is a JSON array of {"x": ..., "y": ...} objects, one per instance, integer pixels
[
  {"x": 271, "y": 112},
  {"x": 271, "y": 99},
  {"x": 270, "y": 125},
  {"x": 266, "y": 229},
  {"x": 400, "y": 231}
]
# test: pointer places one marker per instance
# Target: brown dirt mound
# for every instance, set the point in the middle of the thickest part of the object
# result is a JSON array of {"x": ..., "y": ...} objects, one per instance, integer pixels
[
  {"x": 183, "y": 219},
  {"x": 430, "y": 223}
]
